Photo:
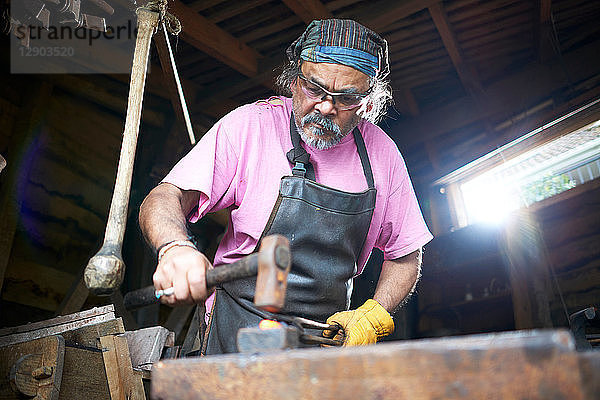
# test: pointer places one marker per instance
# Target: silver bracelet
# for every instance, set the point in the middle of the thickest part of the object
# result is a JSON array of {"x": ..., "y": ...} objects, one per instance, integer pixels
[{"x": 173, "y": 244}]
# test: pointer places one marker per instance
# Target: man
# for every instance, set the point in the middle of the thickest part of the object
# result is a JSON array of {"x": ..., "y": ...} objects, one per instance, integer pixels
[{"x": 312, "y": 168}]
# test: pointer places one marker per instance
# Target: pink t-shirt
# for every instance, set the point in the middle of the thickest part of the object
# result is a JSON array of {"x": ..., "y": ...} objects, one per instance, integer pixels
[{"x": 239, "y": 162}]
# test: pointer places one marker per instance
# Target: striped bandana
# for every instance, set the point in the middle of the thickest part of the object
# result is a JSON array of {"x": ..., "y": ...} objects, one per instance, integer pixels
[{"x": 341, "y": 41}]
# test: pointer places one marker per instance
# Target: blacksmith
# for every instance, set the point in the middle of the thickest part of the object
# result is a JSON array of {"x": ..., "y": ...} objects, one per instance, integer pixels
[{"x": 312, "y": 167}]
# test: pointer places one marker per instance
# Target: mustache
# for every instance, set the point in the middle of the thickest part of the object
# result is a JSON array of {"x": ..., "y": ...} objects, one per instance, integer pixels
[{"x": 326, "y": 123}]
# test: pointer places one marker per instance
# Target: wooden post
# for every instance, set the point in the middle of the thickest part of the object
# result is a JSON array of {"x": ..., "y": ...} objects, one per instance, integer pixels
[{"x": 525, "y": 253}]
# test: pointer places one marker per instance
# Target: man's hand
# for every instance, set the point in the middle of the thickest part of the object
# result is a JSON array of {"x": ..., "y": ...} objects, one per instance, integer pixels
[
  {"x": 365, "y": 325},
  {"x": 184, "y": 269}
]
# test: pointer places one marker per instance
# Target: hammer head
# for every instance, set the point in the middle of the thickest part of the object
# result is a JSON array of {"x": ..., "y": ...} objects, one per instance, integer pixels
[
  {"x": 274, "y": 262},
  {"x": 105, "y": 271}
]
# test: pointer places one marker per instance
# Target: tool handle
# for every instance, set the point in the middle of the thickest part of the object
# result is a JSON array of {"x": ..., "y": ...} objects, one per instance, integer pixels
[{"x": 243, "y": 268}]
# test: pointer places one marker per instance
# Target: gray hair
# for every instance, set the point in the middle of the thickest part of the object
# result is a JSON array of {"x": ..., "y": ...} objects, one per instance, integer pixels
[{"x": 372, "y": 109}]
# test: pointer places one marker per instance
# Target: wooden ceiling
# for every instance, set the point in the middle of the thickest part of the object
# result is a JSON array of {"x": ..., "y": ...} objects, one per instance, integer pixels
[{"x": 452, "y": 61}]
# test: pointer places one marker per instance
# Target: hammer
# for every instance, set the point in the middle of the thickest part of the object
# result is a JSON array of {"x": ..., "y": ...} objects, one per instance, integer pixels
[
  {"x": 105, "y": 271},
  {"x": 270, "y": 265}
]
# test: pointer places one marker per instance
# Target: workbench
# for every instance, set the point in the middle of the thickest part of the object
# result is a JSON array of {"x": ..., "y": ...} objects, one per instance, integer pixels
[{"x": 538, "y": 364}]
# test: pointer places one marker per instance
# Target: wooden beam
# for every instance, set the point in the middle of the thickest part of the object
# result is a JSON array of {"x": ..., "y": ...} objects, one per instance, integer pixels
[
  {"x": 525, "y": 87},
  {"x": 467, "y": 74},
  {"x": 380, "y": 19},
  {"x": 377, "y": 20},
  {"x": 308, "y": 10},
  {"x": 107, "y": 93},
  {"x": 214, "y": 41},
  {"x": 544, "y": 31},
  {"x": 407, "y": 102}
]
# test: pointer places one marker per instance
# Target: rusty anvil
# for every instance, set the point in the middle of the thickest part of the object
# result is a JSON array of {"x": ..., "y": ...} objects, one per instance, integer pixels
[
  {"x": 287, "y": 335},
  {"x": 270, "y": 265}
]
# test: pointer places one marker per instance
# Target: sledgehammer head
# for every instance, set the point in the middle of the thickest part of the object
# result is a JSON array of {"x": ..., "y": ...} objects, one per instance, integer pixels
[
  {"x": 105, "y": 271},
  {"x": 274, "y": 262}
]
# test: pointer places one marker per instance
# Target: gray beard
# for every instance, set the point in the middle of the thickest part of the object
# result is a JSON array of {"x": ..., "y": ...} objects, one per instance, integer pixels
[{"x": 320, "y": 139}]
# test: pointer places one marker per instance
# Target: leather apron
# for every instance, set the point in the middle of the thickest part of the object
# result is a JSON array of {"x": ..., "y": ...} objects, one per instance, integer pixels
[{"x": 327, "y": 229}]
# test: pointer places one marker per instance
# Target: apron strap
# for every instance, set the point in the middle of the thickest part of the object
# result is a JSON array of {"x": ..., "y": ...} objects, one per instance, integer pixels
[
  {"x": 299, "y": 157},
  {"x": 364, "y": 157}
]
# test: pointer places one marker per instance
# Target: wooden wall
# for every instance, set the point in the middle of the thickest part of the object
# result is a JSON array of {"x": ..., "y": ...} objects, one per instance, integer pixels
[
  {"x": 485, "y": 278},
  {"x": 571, "y": 232},
  {"x": 61, "y": 136}
]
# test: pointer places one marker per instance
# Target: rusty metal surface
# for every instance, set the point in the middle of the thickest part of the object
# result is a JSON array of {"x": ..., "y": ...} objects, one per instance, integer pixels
[
  {"x": 252, "y": 340},
  {"x": 146, "y": 346},
  {"x": 516, "y": 365}
]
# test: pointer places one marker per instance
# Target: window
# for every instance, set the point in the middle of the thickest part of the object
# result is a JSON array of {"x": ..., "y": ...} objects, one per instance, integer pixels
[{"x": 489, "y": 189}]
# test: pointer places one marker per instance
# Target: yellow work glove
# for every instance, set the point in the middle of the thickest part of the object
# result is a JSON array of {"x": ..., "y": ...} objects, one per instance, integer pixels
[{"x": 365, "y": 325}]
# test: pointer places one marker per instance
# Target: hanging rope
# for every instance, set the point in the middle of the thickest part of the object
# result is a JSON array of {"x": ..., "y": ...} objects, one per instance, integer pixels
[{"x": 171, "y": 22}]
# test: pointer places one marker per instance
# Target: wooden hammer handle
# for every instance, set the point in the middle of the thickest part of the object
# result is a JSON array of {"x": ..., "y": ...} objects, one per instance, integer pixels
[{"x": 104, "y": 272}]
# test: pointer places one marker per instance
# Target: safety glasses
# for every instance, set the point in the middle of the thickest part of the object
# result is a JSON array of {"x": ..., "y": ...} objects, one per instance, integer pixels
[{"x": 342, "y": 101}]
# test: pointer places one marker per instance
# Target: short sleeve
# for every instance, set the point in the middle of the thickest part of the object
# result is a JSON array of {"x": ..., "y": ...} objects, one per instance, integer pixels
[
  {"x": 209, "y": 168},
  {"x": 403, "y": 229}
]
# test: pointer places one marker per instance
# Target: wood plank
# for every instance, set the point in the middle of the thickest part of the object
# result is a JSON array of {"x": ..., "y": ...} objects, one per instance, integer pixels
[
  {"x": 540, "y": 81},
  {"x": 54, "y": 245},
  {"x": 35, "y": 285},
  {"x": 111, "y": 95},
  {"x": 575, "y": 253},
  {"x": 407, "y": 102},
  {"x": 466, "y": 73},
  {"x": 376, "y": 20},
  {"x": 58, "y": 179},
  {"x": 122, "y": 383},
  {"x": 46, "y": 203},
  {"x": 54, "y": 326},
  {"x": 116, "y": 382},
  {"x": 236, "y": 9},
  {"x": 83, "y": 376},
  {"x": 85, "y": 116},
  {"x": 401, "y": 9},
  {"x": 214, "y": 41},
  {"x": 47, "y": 353},
  {"x": 89, "y": 336},
  {"x": 308, "y": 10},
  {"x": 16, "y": 174},
  {"x": 542, "y": 365}
]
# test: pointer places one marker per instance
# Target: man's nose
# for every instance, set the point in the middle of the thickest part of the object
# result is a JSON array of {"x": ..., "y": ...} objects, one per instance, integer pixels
[{"x": 326, "y": 106}]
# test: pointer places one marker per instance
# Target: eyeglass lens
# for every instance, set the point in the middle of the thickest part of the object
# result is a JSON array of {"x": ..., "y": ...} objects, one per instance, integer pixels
[{"x": 316, "y": 92}]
